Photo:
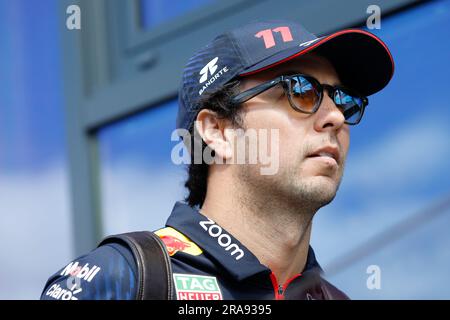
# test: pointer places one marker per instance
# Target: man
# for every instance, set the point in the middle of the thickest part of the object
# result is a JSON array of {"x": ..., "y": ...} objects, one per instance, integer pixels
[{"x": 244, "y": 232}]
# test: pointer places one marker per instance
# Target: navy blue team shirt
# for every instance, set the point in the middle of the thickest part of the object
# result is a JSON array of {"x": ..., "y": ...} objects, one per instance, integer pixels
[{"x": 208, "y": 264}]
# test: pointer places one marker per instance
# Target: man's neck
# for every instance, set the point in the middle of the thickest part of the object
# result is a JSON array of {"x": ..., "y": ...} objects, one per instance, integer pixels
[{"x": 278, "y": 234}]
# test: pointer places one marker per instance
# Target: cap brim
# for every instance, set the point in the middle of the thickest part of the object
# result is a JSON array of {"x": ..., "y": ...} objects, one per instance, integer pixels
[{"x": 363, "y": 62}]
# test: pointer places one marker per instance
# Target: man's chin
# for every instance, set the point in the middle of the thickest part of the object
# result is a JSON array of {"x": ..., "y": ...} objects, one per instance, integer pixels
[{"x": 320, "y": 190}]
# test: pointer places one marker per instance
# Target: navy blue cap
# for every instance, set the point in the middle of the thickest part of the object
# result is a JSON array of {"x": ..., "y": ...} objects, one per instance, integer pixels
[{"x": 362, "y": 61}]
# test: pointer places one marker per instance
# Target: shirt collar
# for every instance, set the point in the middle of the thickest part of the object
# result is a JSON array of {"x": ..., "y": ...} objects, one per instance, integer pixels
[{"x": 220, "y": 245}]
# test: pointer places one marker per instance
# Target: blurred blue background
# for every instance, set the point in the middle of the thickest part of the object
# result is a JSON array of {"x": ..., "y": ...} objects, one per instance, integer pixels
[{"x": 397, "y": 164}]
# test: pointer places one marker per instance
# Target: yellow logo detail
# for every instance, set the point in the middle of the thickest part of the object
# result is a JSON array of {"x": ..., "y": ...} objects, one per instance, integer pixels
[{"x": 176, "y": 241}]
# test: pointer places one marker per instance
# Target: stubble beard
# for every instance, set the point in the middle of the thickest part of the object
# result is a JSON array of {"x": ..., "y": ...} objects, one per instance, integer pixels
[{"x": 290, "y": 188}]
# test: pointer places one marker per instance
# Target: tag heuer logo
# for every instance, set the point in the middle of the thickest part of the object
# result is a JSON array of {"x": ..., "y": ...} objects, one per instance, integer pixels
[
  {"x": 196, "y": 287},
  {"x": 211, "y": 66}
]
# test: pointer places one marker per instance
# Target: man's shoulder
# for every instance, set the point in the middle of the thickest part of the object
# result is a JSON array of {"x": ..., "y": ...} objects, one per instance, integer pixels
[
  {"x": 107, "y": 272},
  {"x": 331, "y": 292}
]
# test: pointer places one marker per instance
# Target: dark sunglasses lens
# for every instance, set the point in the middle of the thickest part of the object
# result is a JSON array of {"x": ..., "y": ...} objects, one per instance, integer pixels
[
  {"x": 304, "y": 94},
  {"x": 350, "y": 105}
]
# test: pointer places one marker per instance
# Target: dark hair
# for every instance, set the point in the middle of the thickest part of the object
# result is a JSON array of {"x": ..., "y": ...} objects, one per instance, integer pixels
[{"x": 220, "y": 103}]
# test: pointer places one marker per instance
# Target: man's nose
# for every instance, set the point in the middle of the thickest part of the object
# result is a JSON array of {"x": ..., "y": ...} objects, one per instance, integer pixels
[{"x": 328, "y": 116}]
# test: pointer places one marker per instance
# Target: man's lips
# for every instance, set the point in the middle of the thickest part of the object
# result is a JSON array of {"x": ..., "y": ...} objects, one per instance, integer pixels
[{"x": 326, "y": 153}]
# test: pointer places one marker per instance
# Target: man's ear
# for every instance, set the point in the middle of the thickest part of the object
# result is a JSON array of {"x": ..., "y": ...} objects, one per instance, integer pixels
[{"x": 211, "y": 128}]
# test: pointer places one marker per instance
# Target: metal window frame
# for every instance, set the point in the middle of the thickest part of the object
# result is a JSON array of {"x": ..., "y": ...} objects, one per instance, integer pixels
[
  {"x": 110, "y": 63},
  {"x": 137, "y": 36}
]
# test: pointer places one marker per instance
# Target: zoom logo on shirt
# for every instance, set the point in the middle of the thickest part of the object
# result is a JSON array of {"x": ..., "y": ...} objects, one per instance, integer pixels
[{"x": 223, "y": 239}]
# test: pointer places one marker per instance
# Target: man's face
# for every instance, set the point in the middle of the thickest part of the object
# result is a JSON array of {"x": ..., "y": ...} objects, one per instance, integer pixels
[{"x": 308, "y": 180}]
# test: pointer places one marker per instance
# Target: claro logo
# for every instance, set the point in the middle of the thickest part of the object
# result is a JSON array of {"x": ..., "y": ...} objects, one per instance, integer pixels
[{"x": 223, "y": 239}]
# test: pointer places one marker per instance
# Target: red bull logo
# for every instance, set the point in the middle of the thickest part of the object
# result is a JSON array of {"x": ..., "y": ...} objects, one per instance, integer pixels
[
  {"x": 174, "y": 245},
  {"x": 175, "y": 241}
]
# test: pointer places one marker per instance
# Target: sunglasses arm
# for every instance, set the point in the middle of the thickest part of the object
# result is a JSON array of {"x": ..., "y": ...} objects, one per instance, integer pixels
[{"x": 250, "y": 93}]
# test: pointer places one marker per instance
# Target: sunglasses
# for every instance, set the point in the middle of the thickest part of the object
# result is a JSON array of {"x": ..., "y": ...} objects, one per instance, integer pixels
[{"x": 305, "y": 94}]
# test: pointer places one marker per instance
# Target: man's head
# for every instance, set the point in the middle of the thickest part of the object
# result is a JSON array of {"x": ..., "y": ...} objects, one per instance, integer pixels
[{"x": 312, "y": 146}]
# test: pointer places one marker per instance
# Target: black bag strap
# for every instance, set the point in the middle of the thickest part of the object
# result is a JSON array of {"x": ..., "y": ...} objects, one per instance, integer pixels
[{"x": 153, "y": 264}]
